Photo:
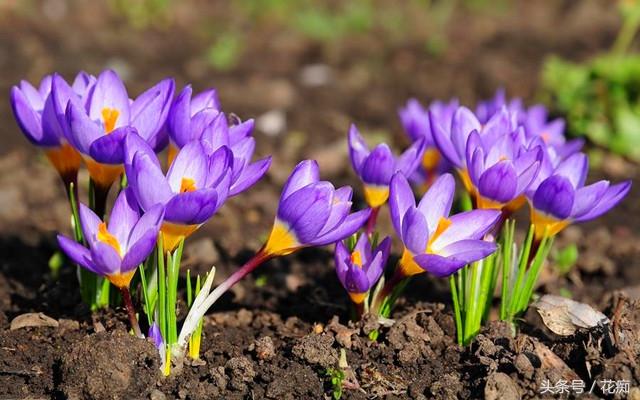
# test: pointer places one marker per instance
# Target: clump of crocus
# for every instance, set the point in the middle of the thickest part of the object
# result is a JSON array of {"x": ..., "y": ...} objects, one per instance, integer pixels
[
  {"x": 415, "y": 120},
  {"x": 311, "y": 212},
  {"x": 376, "y": 167},
  {"x": 360, "y": 268},
  {"x": 194, "y": 188},
  {"x": 98, "y": 124},
  {"x": 34, "y": 111},
  {"x": 116, "y": 249}
]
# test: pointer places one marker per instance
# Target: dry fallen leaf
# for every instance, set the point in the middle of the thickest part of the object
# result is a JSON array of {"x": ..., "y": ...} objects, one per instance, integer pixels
[
  {"x": 32, "y": 320},
  {"x": 564, "y": 316}
]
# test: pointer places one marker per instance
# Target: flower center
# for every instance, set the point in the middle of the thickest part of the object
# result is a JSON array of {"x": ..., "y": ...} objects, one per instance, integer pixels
[
  {"x": 356, "y": 259},
  {"x": 430, "y": 159},
  {"x": 443, "y": 225},
  {"x": 105, "y": 237},
  {"x": 109, "y": 117},
  {"x": 187, "y": 185}
]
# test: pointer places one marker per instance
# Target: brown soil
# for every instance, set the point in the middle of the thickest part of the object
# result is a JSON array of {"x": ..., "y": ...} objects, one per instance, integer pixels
[{"x": 280, "y": 329}]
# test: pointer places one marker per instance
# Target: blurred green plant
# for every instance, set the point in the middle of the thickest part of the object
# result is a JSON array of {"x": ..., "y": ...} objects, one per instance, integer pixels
[
  {"x": 225, "y": 52},
  {"x": 142, "y": 13},
  {"x": 601, "y": 97},
  {"x": 565, "y": 258}
]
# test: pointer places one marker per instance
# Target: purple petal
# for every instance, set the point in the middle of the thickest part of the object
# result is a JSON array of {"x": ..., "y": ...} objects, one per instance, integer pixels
[
  {"x": 613, "y": 195},
  {"x": 191, "y": 208},
  {"x": 587, "y": 197},
  {"x": 555, "y": 197},
  {"x": 134, "y": 144},
  {"x": 191, "y": 163},
  {"x": 149, "y": 111},
  {"x": 216, "y": 134},
  {"x": 358, "y": 150},
  {"x": 109, "y": 92},
  {"x": 89, "y": 223},
  {"x": 29, "y": 120},
  {"x": 574, "y": 168},
  {"x": 105, "y": 258},
  {"x": 400, "y": 199},
  {"x": 375, "y": 268},
  {"x": 363, "y": 246},
  {"x": 179, "y": 118},
  {"x": 32, "y": 96},
  {"x": 307, "y": 210},
  {"x": 340, "y": 202},
  {"x": 205, "y": 99},
  {"x": 341, "y": 258},
  {"x": 468, "y": 251},
  {"x": 219, "y": 166},
  {"x": 438, "y": 265},
  {"x": 250, "y": 175},
  {"x": 410, "y": 160},
  {"x": 499, "y": 182},
  {"x": 124, "y": 215},
  {"x": 378, "y": 167},
  {"x": 442, "y": 140},
  {"x": 78, "y": 254},
  {"x": 436, "y": 203},
  {"x": 139, "y": 251},
  {"x": 82, "y": 130},
  {"x": 148, "y": 181},
  {"x": 240, "y": 131},
  {"x": 82, "y": 83},
  {"x": 464, "y": 122},
  {"x": 356, "y": 280},
  {"x": 61, "y": 95},
  {"x": 109, "y": 149},
  {"x": 415, "y": 234},
  {"x": 467, "y": 225},
  {"x": 348, "y": 227},
  {"x": 305, "y": 173}
]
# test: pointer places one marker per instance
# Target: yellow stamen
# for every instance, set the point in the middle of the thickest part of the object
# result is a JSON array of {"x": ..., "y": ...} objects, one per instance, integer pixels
[
  {"x": 357, "y": 298},
  {"x": 376, "y": 196},
  {"x": 103, "y": 174},
  {"x": 109, "y": 118},
  {"x": 545, "y": 224},
  {"x": 356, "y": 259},
  {"x": 281, "y": 242},
  {"x": 187, "y": 185},
  {"x": 121, "y": 280},
  {"x": 172, "y": 234},
  {"x": 431, "y": 159},
  {"x": 407, "y": 266},
  {"x": 65, "y": 159},
  {"x": 106, "y": 237},
  {"x": 172, "y": 153}
]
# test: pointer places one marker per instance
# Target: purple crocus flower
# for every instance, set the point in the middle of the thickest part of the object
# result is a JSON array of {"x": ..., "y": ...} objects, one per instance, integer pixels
[
  {"x": 415, "y": 120},
  {"x": 376, "y": 167},
  {"x": 200, "y": 119},
  {"x": 500, "y": 172},
  {"x": 432, "y": 240},
  {"x": 360, "y": 269},
  {"x": 311, "y": 213},
  {"x": 194, "y": 188},
  {"x": 486, "y": 109},
  {"x": 98, "y": 124},
  {"x": 33, "y": 110},
  {"x": 537, "y": 125},
  {"x": 115, "y": 249},
  {"x": 563, "y": 198}
]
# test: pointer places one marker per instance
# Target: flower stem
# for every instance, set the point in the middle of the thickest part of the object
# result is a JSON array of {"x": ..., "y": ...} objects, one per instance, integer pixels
[
  {"x": 260, "y": 257},
  {"x": 371, "y": 222},
  {"x": 131, "y": 312}
]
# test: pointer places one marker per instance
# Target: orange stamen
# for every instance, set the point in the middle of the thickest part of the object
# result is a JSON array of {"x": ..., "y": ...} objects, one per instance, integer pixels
[
  {"x": 187, "y": 185},
  {"x": 356, "y": 259},
  {"x": 109, "y": 117},
  {"x": 106, "y": 237}
]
